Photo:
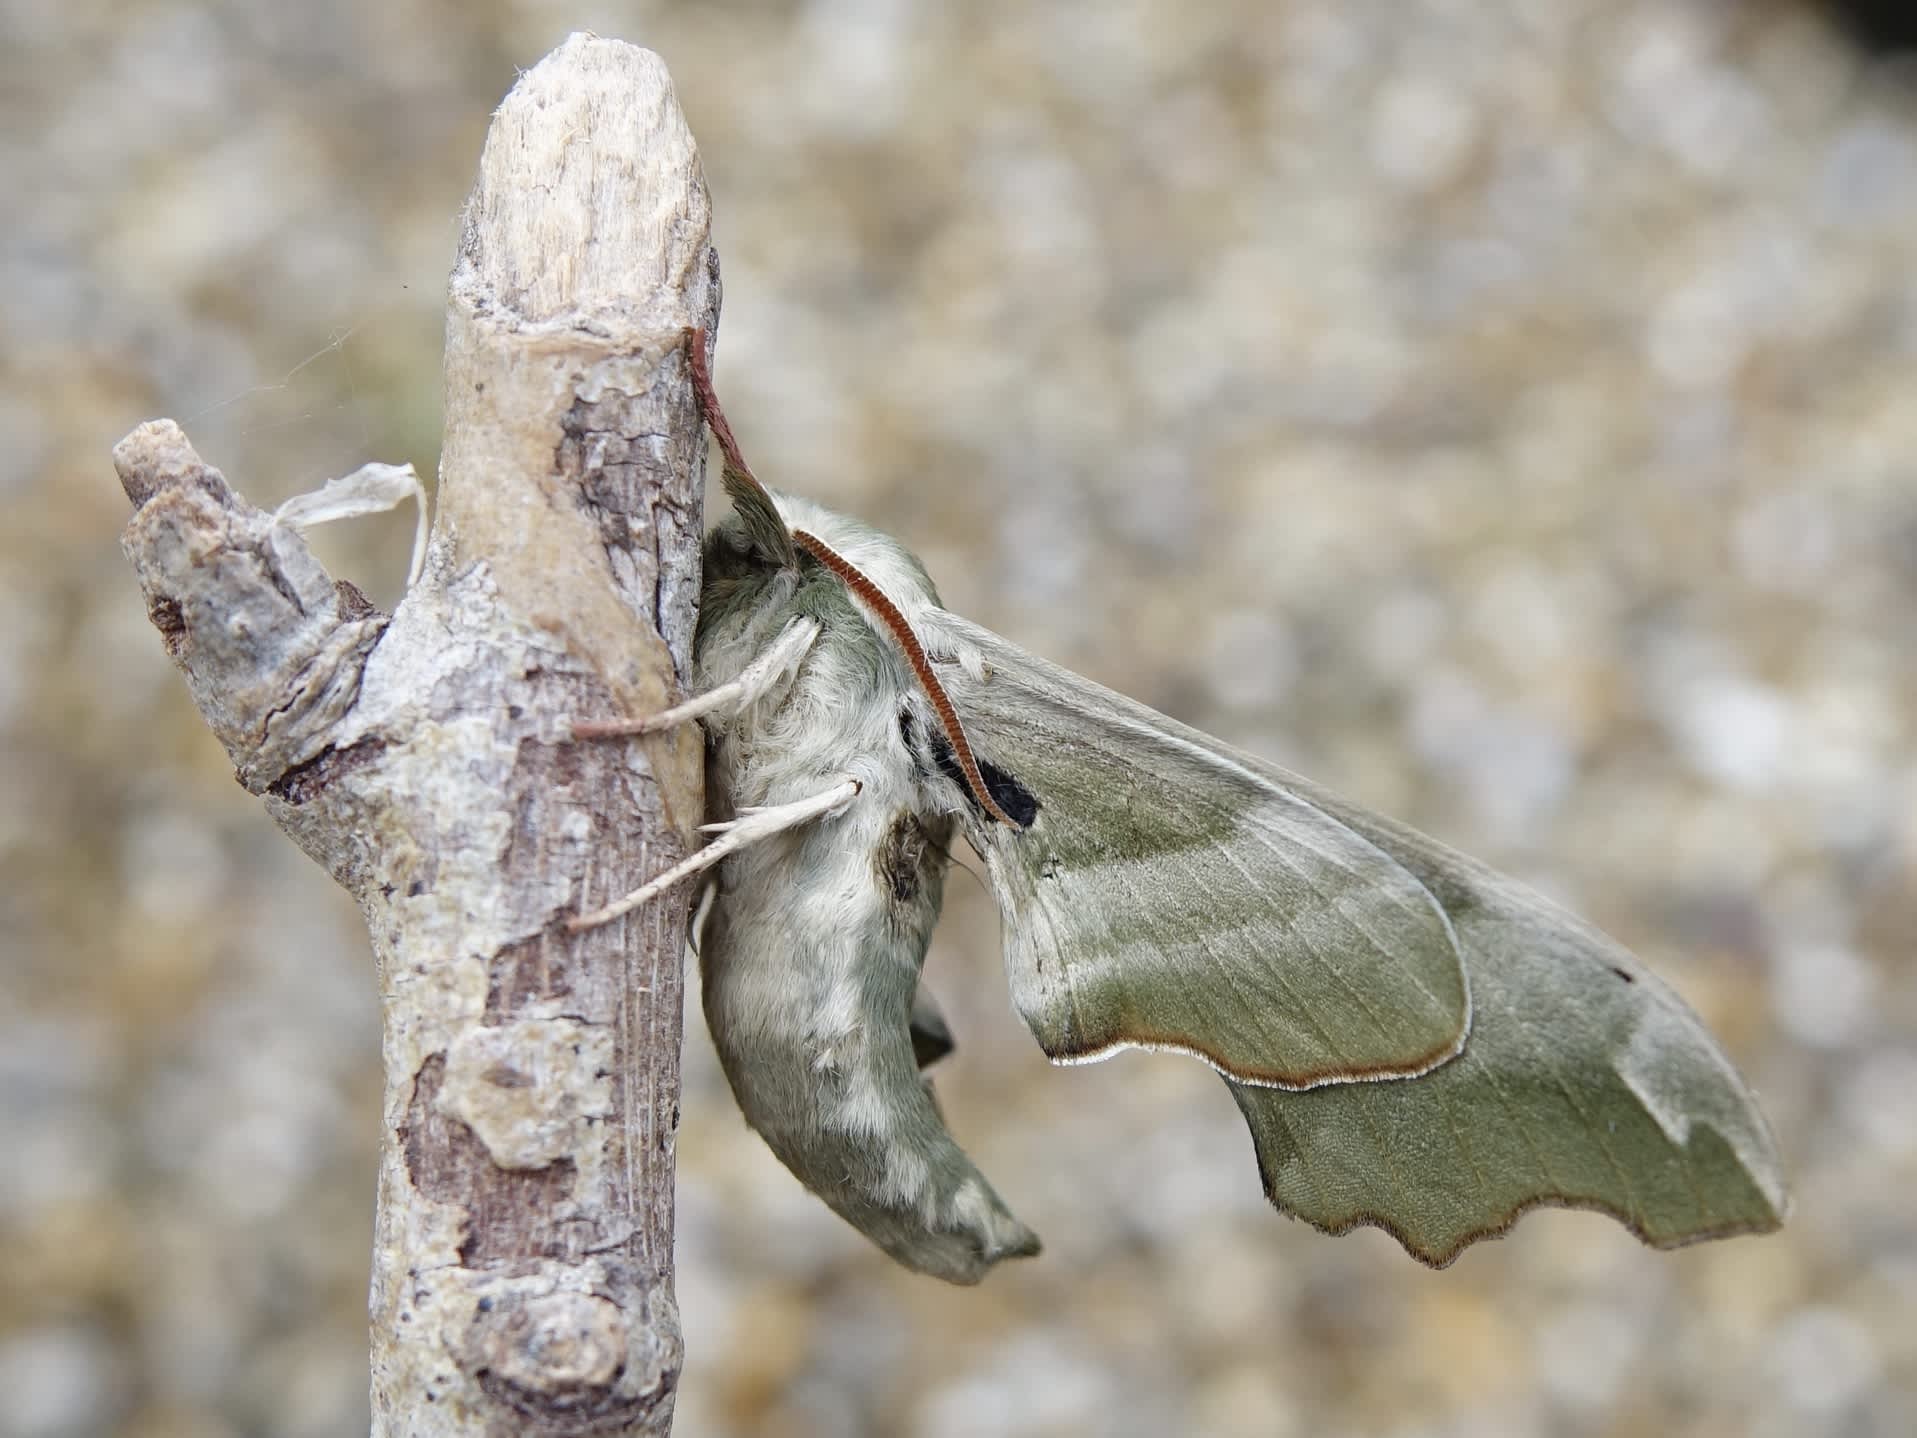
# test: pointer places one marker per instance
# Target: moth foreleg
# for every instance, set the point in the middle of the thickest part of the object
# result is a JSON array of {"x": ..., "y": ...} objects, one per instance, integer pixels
[
  {"x": 793, "y": 644},
  {"x": 747, "y": 829}
]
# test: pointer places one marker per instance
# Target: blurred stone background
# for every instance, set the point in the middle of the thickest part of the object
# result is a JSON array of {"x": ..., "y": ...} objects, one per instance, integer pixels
[{"x": 1503, "y": 410}]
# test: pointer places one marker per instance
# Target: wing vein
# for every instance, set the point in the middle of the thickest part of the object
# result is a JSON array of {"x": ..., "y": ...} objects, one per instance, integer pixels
[{"x": 1306, "y": 941}]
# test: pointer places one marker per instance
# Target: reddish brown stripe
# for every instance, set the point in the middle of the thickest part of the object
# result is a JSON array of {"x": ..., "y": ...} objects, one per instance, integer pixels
[
  {"x": 915, "y": 655},
  {"x": 709, "y": 402}
]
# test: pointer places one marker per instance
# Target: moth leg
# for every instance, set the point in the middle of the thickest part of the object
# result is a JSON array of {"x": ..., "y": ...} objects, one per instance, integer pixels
[
  {"x": 792, "y": 645},
  {"x": 749, "y": 828}
]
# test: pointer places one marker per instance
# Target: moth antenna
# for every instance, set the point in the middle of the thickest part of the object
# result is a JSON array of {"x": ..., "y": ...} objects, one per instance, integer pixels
[
  {"x": 888, "y": 612},
  {"x": 749, "y": 496}
]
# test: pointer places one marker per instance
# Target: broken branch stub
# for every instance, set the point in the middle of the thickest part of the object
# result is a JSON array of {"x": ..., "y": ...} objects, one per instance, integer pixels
[{"x": 522, "y": 1269}]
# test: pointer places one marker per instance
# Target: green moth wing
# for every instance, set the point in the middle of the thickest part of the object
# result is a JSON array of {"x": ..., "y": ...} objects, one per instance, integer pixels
[
  {"x": 1582, "y": 1080},
  {"x": 1168, "y": 895}
]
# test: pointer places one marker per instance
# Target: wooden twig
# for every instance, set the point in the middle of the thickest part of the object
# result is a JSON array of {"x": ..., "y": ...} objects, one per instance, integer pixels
[{"x": 522, "y": 1268}]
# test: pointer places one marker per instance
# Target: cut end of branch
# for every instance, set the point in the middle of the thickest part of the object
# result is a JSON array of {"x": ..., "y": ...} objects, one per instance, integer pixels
[{"x": 590, "y": 158}]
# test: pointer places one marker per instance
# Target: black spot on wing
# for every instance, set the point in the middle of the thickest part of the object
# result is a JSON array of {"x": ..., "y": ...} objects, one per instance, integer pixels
[
  {"x": 1010, "y": 795},
  {"x": 948, "y": 765},
  {"x": 1006, "y": 791}
]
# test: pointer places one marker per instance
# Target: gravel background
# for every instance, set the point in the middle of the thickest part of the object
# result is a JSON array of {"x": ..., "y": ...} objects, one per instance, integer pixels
[{"x": 1503, "y": 410}]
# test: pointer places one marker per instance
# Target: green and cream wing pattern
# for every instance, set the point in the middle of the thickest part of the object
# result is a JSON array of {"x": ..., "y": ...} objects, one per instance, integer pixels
[{"x": 1132, "y": 908}]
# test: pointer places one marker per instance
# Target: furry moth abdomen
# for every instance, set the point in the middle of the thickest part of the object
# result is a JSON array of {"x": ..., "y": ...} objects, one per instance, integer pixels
[{"x": 810, "y": 995}]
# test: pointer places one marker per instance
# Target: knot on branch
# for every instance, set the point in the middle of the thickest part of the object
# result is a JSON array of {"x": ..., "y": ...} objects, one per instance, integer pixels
[{"x": 575, "y": 1362}]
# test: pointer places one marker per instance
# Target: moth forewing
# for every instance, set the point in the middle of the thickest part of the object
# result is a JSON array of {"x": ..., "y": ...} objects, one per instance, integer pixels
[{"x": 1174, "y": 894}]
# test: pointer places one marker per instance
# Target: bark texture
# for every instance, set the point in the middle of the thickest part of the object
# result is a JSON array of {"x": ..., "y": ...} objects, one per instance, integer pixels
[{"x": 522, "y": 1270}]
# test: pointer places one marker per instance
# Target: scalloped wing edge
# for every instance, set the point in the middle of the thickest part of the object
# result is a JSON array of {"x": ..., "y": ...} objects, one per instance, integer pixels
[{"x": 1444, "y": 1255}]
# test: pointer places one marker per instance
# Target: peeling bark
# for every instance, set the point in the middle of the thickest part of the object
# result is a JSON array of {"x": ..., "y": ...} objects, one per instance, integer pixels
[{"x": 522, "y": 1268}]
